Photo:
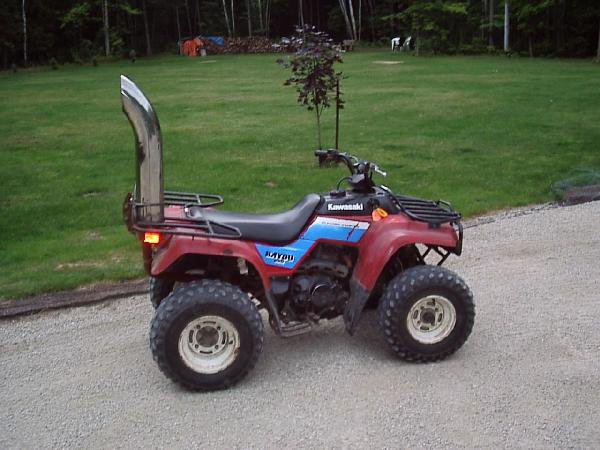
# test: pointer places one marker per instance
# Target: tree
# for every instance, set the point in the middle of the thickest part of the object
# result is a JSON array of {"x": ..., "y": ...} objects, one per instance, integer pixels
[
  {"x": 146, "y": 29},
  {"x": 232, "y": 19},
  {"x": 226, "y": 18},
  {"x": 432, "y": 22},
  {"x": 348, "y": 13},
  {"x": 249, "y": 18},
  {"x": 34, "y": 31},
  {"x": 598, "y": 48},
  {"x": 506, "y": 26},
  {"x": 186, "y": 7},
  {"x": 359, "y": 18},
  {"x": 531, "y": 15},
  {"x": 177, "y": 22},
  {"x": 313, "y": 72},
  {"x": 267, "y": 17},
  {"x": 105, "y": 28},
  {"x": 260, "y": 16},
  {"x": 24, "y": 33},
  {"x": 74, "y": 22},
  {"x": 491, "y": 24},
  {"x": 301, "y": 13},
  {"x": 198, "y": 22},
  {"x": 352, "y": 20}
]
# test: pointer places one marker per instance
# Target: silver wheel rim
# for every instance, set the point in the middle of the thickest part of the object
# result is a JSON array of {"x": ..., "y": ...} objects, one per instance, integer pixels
[
  {"x": 209, "y": 344},
  {"x": 431, "y": 319}
]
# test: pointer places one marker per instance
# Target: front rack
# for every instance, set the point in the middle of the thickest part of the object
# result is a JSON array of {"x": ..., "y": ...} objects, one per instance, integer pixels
[
  {"x": 434, "y": 213},
  {"x": 179, "y": 225}
]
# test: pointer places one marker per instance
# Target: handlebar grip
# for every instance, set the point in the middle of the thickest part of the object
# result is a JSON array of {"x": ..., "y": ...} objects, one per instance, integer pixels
[{"x": 320, "y": 152}]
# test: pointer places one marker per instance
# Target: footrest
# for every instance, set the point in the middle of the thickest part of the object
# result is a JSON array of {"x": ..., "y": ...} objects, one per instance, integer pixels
[{"x": 294, "y": 329}]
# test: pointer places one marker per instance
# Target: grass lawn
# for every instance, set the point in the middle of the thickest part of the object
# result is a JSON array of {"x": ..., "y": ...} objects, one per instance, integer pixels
[{"x": 483, "y": 132}]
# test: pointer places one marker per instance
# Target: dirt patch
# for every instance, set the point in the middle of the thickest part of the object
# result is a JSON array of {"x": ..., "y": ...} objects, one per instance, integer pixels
[
  {"x": 79, "y": 265},
  {"x": 83, "y": 296},
  {"x": 388, "y": 62},
  {"x": 91, "y": 194},
  {"x": 581, "y": 194}
]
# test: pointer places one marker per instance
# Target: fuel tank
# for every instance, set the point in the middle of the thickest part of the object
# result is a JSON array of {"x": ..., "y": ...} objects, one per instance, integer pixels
[{"x": 349, "y": 203}]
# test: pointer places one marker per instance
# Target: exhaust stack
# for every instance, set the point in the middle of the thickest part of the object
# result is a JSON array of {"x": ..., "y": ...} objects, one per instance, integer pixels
[{"x": 149, "y": 190}]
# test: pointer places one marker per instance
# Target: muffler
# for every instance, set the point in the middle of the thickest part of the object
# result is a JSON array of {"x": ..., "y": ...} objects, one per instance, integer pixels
[{"x": 149, "y": 189}]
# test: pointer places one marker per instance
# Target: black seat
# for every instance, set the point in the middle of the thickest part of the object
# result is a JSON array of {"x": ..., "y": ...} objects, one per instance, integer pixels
[{"x": 273, "y": 228}]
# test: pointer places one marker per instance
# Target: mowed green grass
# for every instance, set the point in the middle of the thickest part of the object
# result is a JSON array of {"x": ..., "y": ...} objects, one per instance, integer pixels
[{"x": 483, "y": 132}]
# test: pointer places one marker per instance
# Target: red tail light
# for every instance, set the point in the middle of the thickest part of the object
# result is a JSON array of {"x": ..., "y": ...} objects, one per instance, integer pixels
[{"x": 151, "y": 238}]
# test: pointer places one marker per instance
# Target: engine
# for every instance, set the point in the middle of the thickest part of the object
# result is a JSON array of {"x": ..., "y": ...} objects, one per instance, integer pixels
[{"x": 319, "y": 290}]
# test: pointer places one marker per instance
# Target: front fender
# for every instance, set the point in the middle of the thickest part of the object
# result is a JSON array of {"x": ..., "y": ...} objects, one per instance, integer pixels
[
  {"x": 378, "y": 246},
  {"x": 387, "y": 236}
]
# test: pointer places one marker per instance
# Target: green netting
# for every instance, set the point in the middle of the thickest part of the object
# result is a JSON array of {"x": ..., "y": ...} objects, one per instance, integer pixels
[{"x": 580, "y": 177}]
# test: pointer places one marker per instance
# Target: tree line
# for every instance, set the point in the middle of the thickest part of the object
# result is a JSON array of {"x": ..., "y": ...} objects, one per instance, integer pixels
[{"x": 36, "y": 31}]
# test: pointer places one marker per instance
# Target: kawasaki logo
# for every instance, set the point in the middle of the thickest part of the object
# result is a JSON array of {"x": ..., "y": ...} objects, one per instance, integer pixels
[
  {"x": 348, "y": 207},
  {"x": 280, "y": 257}
]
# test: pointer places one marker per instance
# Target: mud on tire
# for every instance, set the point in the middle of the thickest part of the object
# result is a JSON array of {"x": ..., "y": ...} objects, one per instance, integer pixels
[
  {"x": 173, "y": 334},
  {"x": 426, "y": 313}
]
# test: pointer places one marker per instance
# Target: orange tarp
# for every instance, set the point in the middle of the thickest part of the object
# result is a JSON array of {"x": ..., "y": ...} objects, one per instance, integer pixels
[{"x": 191, "y": 47}]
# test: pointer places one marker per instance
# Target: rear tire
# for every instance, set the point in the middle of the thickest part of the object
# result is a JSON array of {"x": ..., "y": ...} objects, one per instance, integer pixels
[
  {"x": 426, "y": 313},
  {"x": 207, "y": 336}
]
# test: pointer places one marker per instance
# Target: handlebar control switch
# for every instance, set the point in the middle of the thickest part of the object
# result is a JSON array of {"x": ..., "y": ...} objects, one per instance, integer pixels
[{"x": 338, "y": 193}]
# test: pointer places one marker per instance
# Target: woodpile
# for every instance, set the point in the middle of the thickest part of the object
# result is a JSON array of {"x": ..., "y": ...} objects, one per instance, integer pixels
[{"x": 255, "y": 44}]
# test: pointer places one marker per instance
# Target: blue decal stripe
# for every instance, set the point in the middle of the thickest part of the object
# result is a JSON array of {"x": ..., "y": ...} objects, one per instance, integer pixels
[
  {"x": 335, "y": 233},
  {"x": 289, "y": 256},
  {"x": 286, "y": 257}
]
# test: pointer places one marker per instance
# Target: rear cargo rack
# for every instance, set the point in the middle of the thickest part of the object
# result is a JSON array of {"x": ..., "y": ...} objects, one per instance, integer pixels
[
  {"x": 191, "y": 199},
  {"x": 182, "y": 224}
]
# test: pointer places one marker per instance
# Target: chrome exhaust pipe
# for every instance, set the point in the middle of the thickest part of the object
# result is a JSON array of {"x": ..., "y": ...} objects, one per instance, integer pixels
[{"x": 149, "y": 190}]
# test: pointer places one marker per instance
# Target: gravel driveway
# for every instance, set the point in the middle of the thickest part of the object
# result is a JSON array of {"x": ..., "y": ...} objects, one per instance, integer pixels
[{"x": 527, "y": 377}]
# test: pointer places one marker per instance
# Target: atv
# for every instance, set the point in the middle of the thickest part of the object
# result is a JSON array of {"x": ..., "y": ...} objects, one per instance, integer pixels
[{"x": 331, "y": 255}]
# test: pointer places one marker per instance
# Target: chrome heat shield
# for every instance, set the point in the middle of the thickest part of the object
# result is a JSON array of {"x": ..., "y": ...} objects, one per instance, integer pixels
[{"x": 149, "y": 191}]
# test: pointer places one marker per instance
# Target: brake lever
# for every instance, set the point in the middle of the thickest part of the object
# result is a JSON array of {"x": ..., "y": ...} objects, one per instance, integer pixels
[{"x": 378, "y": 171}]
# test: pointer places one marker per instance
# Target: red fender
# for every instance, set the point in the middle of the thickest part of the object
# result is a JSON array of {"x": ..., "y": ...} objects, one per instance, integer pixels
[
  {"x": 384, "y": 238},
  {"x": 179, "y": 246},
  {"x": 176, "y": 246},
  {"x": 387, "y": 236}
]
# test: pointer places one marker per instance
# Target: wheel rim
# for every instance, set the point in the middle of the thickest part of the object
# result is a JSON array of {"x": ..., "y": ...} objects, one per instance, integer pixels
[
  {"x": 209, "y": 344},
  {"x": 431, "y": 319}
]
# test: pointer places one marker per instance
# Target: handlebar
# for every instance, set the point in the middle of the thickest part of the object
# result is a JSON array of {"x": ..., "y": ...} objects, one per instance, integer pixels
[{"x": 355, "y": 165}]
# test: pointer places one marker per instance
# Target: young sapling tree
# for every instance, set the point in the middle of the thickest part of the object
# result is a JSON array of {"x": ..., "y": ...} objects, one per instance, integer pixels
[{"x": 313, "y": 72}]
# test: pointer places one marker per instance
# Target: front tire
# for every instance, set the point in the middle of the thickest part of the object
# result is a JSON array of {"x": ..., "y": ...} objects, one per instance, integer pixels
[
  {"x": 426, "y": 313},
  {"x": 159, "y": 289},
  {"x": 207, "y": 336}
]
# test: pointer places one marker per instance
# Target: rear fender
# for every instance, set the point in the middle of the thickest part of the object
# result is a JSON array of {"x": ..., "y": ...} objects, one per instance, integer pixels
[
  {"x": 179, "y": 246},
  {"x": 378, "y": 246}
]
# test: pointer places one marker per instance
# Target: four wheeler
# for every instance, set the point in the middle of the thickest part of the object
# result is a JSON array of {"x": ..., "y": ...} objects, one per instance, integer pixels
[{"x": 330, "y": 255}]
